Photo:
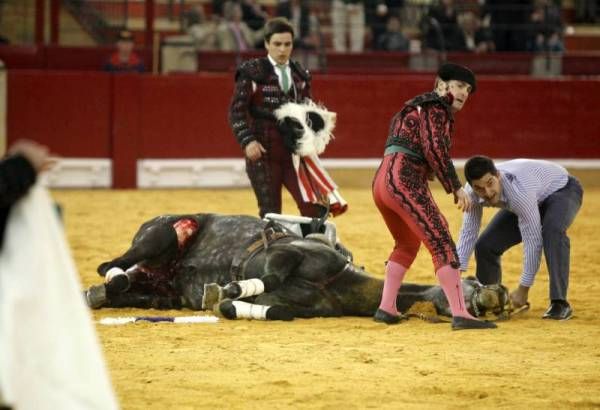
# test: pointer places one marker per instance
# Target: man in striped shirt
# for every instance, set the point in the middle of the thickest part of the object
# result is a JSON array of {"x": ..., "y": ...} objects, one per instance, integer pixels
[{"x": 538, "y": 201}]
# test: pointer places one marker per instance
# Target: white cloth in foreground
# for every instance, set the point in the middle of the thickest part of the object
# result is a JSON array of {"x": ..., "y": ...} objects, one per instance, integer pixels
[{"x": 50, "y": 357}]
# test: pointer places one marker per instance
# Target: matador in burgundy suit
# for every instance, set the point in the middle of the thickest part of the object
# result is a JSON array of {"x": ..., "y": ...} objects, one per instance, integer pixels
[
  {"x": 261, "y": 86},
  {"x": 416, "y": 150}
]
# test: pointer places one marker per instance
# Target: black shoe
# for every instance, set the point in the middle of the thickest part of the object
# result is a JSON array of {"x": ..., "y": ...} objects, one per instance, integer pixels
[
  {"x": 558, "y": 310},
  {"x": 461, "y": 323},
  {"x": 387, "y": 318}
]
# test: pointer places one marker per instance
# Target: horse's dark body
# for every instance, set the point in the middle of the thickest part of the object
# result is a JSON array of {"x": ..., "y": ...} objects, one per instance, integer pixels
[{"x": 316, "y": 279}]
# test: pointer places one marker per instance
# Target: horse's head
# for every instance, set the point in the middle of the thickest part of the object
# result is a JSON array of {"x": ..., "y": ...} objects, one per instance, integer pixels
[{"x": 490, "y": 299}]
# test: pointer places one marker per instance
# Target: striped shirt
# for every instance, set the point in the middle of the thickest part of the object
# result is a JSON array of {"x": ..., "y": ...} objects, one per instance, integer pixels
[{"x": 525, "y": 184}]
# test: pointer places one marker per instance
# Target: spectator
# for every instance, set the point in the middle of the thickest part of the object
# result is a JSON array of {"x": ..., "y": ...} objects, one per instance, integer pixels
[
  {"x": 392, "y": 39},
  {"x": 508, "y": 23},
  {"x": 475, "y": 37},
  {"x": 253, "y": 14},
  {"x": 547, "y": 28},
  {"x": 586, "y": 11},
  {"x": 305, "y": 23},
  {"x": 124, "y": 59},
  {"x": 377, "y": 14},
  {"x": 217, "y": 8},
  {"x": 202, "y": 31},
  {"x": 348, "y": 18},
  {"x": 440, "y": 28},
  {"x": 233, "y": 34}
]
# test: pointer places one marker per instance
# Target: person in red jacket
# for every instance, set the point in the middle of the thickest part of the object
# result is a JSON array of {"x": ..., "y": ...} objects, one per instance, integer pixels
[
  {"x": 418, "y": 148},
  {"x": 124, "y": 59}
]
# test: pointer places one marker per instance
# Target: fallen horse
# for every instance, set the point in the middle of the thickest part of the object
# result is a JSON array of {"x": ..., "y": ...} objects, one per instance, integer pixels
[{"x": 245, "y": 267}]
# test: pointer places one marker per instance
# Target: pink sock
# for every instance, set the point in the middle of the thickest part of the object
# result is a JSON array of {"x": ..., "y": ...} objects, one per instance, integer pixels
[
  {"x": 394, "y": 274},
  {"x": 450, "y": 281}
]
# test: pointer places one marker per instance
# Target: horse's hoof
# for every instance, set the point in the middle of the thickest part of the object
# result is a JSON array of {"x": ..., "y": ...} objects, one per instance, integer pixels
[
  {"x": 461, "y": 323},
  {"x": 279, "y": 312},
  {"x": 212, "y": 295},
  {"x": 226, "y": 309},
  {"x": 384, "y": 317},
  {"x": 116, "y": 282},
  {"x": 95, "y": 296}
]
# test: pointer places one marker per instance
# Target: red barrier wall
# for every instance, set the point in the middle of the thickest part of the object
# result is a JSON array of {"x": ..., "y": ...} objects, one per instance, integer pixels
[
  {"x": 69, "y": 112},
  {"x": 126, "y": 117}
]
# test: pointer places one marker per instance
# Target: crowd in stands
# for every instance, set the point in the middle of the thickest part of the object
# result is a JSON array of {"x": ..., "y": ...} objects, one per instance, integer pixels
[{"x": 388, "y": 25}]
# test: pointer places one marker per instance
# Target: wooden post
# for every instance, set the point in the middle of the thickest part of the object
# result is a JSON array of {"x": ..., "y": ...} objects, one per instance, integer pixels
[
  {"x": 40, "y": 11},
  {"x": 54, "y": 21},
  {"x": 149, "y": 24}
]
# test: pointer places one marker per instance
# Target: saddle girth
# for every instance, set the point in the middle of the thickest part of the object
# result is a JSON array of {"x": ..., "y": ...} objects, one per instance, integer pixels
[{"x": 257, "y": 243}]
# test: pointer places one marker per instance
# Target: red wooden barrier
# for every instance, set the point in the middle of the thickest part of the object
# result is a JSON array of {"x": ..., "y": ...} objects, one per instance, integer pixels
[{"x": 126, "y": 117}]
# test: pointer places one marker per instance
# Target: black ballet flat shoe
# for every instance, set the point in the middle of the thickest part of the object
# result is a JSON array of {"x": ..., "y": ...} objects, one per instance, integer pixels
[
  {"x": 558, "y": 310},
  {"x": 384, "y": 317},
  {"x": 462, "y": 323}
]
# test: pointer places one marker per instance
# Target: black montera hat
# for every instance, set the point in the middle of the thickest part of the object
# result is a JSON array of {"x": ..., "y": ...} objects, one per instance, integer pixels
[{"x": 450, "y": 71}]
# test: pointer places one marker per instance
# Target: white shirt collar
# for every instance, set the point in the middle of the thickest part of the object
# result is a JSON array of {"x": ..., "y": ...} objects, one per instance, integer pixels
[{"x": 275, "y": 64}]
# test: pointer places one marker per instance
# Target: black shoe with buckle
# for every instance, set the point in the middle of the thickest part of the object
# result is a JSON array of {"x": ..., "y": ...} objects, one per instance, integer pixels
[
  {"x": 558, "y": 310},
  {"x": 462, "y": 323},
  {"x": 387, "y": 318}
]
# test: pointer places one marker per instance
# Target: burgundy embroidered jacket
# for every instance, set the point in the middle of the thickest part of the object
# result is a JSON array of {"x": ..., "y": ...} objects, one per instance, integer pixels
[
  {"x": 257, "y": 95},
  {"x": 425, "y": 126}
]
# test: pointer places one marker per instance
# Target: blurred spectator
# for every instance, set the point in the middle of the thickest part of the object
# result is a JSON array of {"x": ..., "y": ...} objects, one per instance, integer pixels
[
  {"x": 440, "y": 28},
  {"x": 586, "y": 11},
  {"x": 348, "y": 19},
  {"x": 253, "y": 14},
  {"x": 476, "y": 38},
  {"x": 124, "y": 59},
  {"x": 233, "y": 34},
  {"x": 217, "y": 8},
  {"x": 392, "y": 39},
  {"x": 547, "y": 28},
  {"x": 306, "y": 24},
  {"x": 377, "y": 14},
  {"x": 202, "y": 31},
  {"x": 508, "y": 22}
]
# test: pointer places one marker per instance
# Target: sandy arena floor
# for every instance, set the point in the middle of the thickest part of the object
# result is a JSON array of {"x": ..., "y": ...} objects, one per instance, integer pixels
[{"x": 349, "y": 363}]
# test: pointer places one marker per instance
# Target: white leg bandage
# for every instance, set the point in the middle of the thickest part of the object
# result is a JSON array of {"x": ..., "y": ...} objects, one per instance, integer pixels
[
  {"x": 244, "y": 310},
  {"x": 134, "y": 267},
  {"x": 112, "y": 272},
  {"x": 251, "y": 287}
]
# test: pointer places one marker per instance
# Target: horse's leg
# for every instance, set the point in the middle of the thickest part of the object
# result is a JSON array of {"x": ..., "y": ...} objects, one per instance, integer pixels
[
  {"x": 303, "y": 300},
  {"x": 280, "y": 262},
  {"x": 157, "y": 241},
  {"x": 236, "y": 309}
]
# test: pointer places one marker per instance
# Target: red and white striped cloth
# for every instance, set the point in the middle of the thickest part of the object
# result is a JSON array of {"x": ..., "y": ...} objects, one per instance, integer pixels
[{"x": 316, "y": 184}]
